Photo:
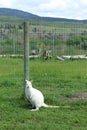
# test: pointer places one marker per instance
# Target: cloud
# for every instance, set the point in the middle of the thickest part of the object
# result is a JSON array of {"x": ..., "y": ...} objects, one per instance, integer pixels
[
  {"x": 61, "y": 8},
  {"x": 75, "y": 9},
  {"x": 83, "y": 2},
  {"x": 5, "y": 3},
  {"x": 53, "y": 4}
]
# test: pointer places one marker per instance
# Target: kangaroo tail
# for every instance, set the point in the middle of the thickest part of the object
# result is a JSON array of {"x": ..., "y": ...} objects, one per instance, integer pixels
[{"x": 49, "y": 106}]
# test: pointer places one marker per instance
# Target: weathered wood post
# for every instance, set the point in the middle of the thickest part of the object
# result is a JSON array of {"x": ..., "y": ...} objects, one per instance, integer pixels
[
  {"x": 53, "y": 43},
  {"x": 26, "y": 53}
]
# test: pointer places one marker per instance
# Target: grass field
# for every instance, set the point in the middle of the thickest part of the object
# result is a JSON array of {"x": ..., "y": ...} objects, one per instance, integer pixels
[{"x": 59, "y": 81}]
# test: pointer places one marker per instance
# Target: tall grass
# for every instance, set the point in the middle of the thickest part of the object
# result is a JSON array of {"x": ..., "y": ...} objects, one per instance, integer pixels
[{"x": 57, "y": 80}]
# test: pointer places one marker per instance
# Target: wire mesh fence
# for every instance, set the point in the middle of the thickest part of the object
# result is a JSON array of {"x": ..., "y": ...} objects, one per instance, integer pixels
[
  {"x": 11, "y": 39},
  {"x": 11, "y": 46},
  {"x": 59, "y": 41}
]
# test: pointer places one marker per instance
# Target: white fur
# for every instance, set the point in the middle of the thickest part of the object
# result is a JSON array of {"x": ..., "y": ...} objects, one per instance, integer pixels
[{"x": 35, "y": 97}]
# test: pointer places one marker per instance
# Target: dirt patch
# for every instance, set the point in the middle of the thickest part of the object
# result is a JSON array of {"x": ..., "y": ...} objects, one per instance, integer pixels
[{"x": 78, "y": 96}]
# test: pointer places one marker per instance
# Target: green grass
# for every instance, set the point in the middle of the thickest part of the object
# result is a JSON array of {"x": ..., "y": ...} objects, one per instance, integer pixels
[{"x": 57, "y": 80}]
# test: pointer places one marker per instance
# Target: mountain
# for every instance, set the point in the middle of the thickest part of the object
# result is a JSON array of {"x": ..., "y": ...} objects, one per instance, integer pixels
[
  {"x": 17, "y": 13},
  {"x": 25, "y": 15}
]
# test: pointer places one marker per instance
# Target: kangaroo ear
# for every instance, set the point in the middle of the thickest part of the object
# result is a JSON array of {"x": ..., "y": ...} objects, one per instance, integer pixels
[
  {"x": 26, "y": 80},
  {"x": 31, "y": 81}
]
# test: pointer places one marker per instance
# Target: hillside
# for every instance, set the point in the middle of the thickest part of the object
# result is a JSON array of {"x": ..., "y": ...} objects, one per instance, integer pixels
[
  {"x": 25, "y": 15},
  {"x": 17, "y": 13}
]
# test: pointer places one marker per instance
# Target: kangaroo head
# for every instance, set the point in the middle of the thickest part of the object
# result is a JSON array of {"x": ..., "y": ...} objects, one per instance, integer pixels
[{"x": 28, "y": 84}]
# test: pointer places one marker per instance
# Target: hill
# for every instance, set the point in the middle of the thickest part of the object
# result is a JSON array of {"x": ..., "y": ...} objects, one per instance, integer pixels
[
  {"x": 17, "y": 13},
  {"x": 25, "y": 15}
]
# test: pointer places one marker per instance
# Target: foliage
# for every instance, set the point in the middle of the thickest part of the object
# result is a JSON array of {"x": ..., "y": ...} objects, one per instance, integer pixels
[
  {"x": 84, "y": 42},
  {"x": 80, "y": 41},
  {"x": 73, "y": 40}
]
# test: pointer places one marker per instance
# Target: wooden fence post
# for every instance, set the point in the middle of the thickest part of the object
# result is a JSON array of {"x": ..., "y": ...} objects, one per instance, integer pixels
[{"x": 26, "y": 53}]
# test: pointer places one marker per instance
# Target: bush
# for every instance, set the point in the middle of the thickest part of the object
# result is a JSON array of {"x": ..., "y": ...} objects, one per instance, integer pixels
[
  {"x": 74, "y": 40},
  {"x": 80, "y": 41}
]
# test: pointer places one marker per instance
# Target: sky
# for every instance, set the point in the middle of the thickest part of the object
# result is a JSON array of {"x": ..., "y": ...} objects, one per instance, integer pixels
[{"x": 72, "y": 9}]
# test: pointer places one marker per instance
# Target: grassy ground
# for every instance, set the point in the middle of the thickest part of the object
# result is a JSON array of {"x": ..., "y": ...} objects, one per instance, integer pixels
[{"x": 58, "y": 81}]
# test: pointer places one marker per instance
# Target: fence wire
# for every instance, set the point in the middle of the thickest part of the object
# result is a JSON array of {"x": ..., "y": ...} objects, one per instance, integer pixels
[{"x": 60, "y": 41}]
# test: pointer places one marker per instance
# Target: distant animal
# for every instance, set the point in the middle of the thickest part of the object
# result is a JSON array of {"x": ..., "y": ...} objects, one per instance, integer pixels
[
  {"x": 36, "y": 97},
  {"x": 35, "y": 52},
  {"x": 46, "y": 54}
]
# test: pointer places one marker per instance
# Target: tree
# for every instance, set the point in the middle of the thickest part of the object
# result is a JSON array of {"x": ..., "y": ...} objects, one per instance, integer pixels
[{"x": 74, "y": 40}]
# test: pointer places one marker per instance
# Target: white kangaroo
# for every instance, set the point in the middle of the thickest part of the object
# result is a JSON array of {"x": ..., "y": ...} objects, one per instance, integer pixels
[{"x": 36, "y": 98}]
